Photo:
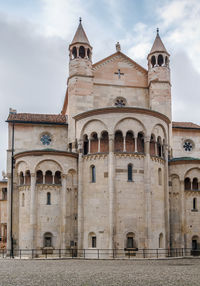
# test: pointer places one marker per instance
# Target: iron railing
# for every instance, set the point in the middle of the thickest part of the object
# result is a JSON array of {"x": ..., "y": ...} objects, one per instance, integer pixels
[{"x": 94, "y": 253}]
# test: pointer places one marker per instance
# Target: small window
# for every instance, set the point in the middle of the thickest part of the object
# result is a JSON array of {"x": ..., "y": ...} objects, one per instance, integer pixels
[
  {"x": 194, "y": 203},
  {"x": 153, "y": 61},
  {"x": 93, "y": 174},
  {"x": 48, "y": 198},
  {"x": 129, "y": 242},
  {"x": 45, "y": 139},
  {"x": 130, "y": 173},
  {"x": 74, "y": 53},
  {"x": 161, "y": 240},
  {"x": 187, "y": 184},
  {"x": 23, "y": 199},
  {"x": 94, "y": 242}
]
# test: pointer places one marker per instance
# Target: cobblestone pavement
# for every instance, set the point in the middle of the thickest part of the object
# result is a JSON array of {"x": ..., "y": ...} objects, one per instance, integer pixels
[{"x": 183, "y": 272}]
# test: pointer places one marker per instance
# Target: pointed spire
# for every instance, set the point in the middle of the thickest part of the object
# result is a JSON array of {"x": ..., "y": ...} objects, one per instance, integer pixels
[
  {"x": 80, "y": 35},
  {"x": 158, "y": 45}
]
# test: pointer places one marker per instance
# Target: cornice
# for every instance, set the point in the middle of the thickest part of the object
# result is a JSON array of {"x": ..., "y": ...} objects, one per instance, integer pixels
[
  {"x": 45, "y": 152},
  {"x": 133, "y": 110},
  {"x": 181, "y": 162}
]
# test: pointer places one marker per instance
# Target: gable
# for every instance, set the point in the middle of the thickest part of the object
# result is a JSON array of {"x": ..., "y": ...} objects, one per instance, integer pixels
[{"x": 118, "y": 69}]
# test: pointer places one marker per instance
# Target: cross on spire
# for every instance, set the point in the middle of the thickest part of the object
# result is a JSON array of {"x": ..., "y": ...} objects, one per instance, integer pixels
[
  {"x": 119, "y": 73},
  {"x": 80, "y": 20},
  {"x": 157, "y": 31}
]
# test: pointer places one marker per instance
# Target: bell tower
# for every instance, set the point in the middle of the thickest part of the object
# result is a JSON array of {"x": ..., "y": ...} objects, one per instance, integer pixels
[
  {"x": 159, "y": 78},
  {"x": 79, "y": 96},
  {"x": 80, "y": 54}
]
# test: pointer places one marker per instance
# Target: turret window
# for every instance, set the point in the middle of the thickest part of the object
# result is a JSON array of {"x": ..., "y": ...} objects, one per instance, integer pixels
[
  {"x": 88, "y": 53},
  {"x": 160, "y": 60},
  {"x": 153, "y": 61},
  {"x": 74, "y": 53},
  {"x": 82, "y": 52}
]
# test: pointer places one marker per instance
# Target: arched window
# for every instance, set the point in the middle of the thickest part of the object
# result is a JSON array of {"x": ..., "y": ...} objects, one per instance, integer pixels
[
  {"x": 39, "y": 177},
  {"x": 48, "y": 239},
  {"x": 27, "y": 178},
  {"x": 104, "y": 146},
  {"x": 23, "y": 199},
  {"x": 93, "y": 174},
  {"x": 140, "y": 142},
  {"x": 88, "y": 53},
  {"x": 160, "y": 60},
  {"x": 153, "y": 61},
  {"x": 48, "y": 177},
  {"x": 161, "y": 241},
  {"x": 85, "y": 145},
  {"x": 130, "y": 172},
  {"x": 118, "y": 141},
  {"x": 166, "y": 61},
  {"x": 195, "y": 184},
  {"x": 187, "y": 184},
  {"x": 48, "y": 198},
  {"x": 94, "y": 143},
  {"x": 57, "y": 178},
  {"x": 92, "y": 240},
  {"x": 21, "y": 178},
  {"x": 152, "y": 145},
  {"x": 194, "y": 203},
  {"x": 159, "y": 147},
  {"x": 74, "y": 53},
  {"x": 130, "y": 240},
  {"x": 81, "y": 52},
  {"x": 159, "y": 176},
  {"x": 130, "y": 142}
]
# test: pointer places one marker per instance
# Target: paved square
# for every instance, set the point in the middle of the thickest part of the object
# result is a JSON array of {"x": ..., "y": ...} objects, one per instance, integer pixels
[{"x": 183, "y": 272}]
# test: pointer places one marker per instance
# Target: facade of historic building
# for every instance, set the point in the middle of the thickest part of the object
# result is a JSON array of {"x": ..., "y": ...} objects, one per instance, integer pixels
[{"x": 112, "y": 170}]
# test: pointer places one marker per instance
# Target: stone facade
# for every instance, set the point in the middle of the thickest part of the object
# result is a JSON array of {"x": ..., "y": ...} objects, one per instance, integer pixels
[
  {"x": 3, "y": 213},
  {"x": 105, "y": 174}
]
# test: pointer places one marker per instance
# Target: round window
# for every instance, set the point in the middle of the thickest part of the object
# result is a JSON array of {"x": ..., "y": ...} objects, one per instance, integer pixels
[
  {"x": 188, "y": 146},
  {"x": 45, "y": 139}
]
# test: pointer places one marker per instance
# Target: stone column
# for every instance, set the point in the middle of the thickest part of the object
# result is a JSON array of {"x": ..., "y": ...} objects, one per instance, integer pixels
[
  {"x": 63, "y": 209},
  {"x": 111, "y": 176},
  {"x": 99, "y": 145},
  {"x": 124, "y": 143},
  {"x": 182, "y": 214},
  {"x": 135, "y": 138},
  {"x": 147, "y": 191},
  {"x": 80, "y": 195},
  {"x": 89, "y": 146},
  {"x": 9, "y": 212},
  {"x": 166, "y": 198},
  {"x": 33, "y": 211}
]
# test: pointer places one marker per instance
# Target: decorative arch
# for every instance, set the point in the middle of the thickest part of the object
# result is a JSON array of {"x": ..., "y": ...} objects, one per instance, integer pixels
[
  {"x": 93, "y": 143},
  {"x": 104, "y": 142},
  {"x": 130, "y": 124},
  {"x": 48, "y": 164},
  {"x": 159, "y": 130},
  {"x": 130, "y": 141},
  {"x": 118, "y": 143},
  {"x": 93, "y": 125}
]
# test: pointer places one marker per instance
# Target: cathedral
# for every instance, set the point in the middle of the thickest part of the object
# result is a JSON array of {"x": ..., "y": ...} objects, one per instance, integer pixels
[{"x": 111, "y": 171}]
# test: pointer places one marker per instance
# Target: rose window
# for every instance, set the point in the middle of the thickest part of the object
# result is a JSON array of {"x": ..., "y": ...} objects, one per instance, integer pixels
[
  {"x": 120, "y": 102},
  {"x": 45, "y": 139},
  {"x": 187, "y": 146}
]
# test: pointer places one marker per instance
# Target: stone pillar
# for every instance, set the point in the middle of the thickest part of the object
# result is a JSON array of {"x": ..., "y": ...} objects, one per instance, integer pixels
[
  {"x": 124, "y": 143},
  {"x": 111, "y": 177},
  {"x": 99, "y": 145},
  {"x": 135, "y": 138},
  {"x": 166, "y": 199},
  {"x": 89, "y": 146},
  {"x": 147, "y": 192},
  {"x": 9, "y": 212},
  {"x": 80, "y": 195},
  {"x": 182, "y": 214},
  {"x": 33, "y": 211},
  {"x": 63, "y": 208}
]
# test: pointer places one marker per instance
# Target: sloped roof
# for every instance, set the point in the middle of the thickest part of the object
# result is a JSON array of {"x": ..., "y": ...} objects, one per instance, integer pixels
[
  {"x": 158, "y": 45},
  {"x": 80, "y": 36},
  {"x": 186, "y": 125},
  {"x": 183, "y": 159},
  {"x": 37, "y": 118}
]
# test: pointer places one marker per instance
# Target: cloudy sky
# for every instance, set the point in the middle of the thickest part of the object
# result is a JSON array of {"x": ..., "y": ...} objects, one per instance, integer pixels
[{"x": 34, "y": 39}]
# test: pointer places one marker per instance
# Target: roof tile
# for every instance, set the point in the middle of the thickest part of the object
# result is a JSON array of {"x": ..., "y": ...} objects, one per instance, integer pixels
[{"x": 32, "y": 117}]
